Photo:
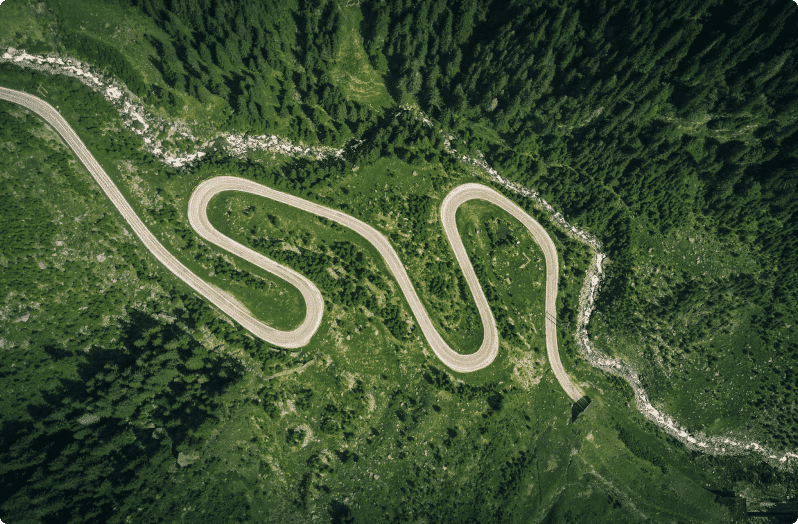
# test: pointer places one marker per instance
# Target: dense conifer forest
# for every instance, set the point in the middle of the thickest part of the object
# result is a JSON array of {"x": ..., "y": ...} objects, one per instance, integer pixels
[{"x": 669, "y": 130}]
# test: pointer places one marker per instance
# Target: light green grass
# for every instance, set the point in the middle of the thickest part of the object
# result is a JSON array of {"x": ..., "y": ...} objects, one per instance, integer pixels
[
  {"x": 281, "y": 305},
  {"x": 23, "y": 23},
  {"x": 352, "y": 70},
  {"x": 517, "y": 268},
  {"x": 117, "y": 25}
]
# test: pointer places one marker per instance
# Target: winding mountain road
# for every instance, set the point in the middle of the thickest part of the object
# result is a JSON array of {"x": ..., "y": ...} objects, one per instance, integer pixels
[{"x": 197, "y": 213}]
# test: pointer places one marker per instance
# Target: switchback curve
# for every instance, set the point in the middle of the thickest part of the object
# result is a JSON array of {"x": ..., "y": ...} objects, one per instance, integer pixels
[{"x": 301, "y": 336}]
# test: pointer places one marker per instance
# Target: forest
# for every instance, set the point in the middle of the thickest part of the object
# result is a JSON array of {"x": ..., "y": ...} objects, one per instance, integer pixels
[
  {"x": 668, "y": 129},
  {"x": 621, "y": 116}
]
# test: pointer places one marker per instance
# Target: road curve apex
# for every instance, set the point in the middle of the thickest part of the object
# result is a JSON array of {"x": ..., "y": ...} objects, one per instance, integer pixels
[{"x": 198, "y": 218}]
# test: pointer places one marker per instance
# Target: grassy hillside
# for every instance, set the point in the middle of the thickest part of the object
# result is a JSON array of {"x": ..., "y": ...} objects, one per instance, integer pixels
[
  {"x": 302, "y": 431},
  {"x": 668, "y": 131}
]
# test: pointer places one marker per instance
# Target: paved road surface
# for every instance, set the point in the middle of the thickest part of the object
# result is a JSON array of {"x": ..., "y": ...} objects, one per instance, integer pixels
[
  {"x": 288, "y": 339},
  {"x": 315, "y": 305}
]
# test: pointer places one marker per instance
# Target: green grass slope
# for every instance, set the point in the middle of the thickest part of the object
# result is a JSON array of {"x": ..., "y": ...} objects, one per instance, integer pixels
[{"x": 673, "y": 143}]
